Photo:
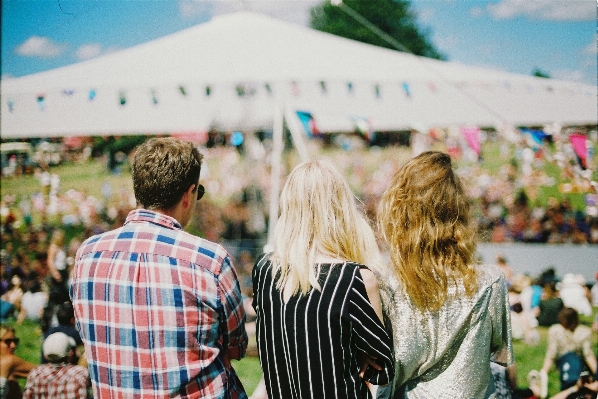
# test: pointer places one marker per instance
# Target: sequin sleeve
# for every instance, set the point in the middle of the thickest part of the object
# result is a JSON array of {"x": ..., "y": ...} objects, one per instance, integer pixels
[{"x": 502, "y": 340}]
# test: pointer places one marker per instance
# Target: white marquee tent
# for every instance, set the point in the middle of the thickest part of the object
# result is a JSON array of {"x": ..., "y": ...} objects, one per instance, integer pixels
[{"x": 240, "y": 71}]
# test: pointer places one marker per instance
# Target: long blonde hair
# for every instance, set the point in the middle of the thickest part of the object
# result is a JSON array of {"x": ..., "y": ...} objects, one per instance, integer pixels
[
  {"x": 318, "y": 213},
  {"x": 424, "y": 217}
]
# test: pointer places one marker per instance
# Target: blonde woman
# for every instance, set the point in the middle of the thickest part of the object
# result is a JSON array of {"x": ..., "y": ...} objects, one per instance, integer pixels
[
  {"x": 449, "y": 317},
  {"x": 319, "y": 329},
  {"x": 12, "y": 367}
]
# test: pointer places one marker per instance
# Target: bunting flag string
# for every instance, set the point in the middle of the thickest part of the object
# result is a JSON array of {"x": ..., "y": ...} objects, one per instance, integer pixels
[
  {"x": 40, "y": 101},
  {"x": 350, "y": 87},
  {"x": 295, "y": 89},
  {"x": 122, "y": 98},
  {"x": 406, "y": 89},
  {"x": 253, "y": 89}
]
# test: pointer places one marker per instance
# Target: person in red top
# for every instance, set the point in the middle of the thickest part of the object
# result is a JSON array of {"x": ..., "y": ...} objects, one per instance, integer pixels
[{"x": 59, "y": 378}]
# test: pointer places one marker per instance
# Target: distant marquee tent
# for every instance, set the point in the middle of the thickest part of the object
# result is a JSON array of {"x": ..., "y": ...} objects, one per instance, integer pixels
[{"x": 245, "y": 71}]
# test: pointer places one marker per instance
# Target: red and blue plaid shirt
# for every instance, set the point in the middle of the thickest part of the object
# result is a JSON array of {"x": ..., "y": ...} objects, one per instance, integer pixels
[
  {"x": 160, "y": 312},
  {"x": 57, "y": 381}
]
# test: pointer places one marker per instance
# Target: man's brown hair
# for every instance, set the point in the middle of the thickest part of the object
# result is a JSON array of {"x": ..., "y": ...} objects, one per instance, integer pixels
[
  {"x": 568, "y": 318},
  {"x": 163, "y": 169}
]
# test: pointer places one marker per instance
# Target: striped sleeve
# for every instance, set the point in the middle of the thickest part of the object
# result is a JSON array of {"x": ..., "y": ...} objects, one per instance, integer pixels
[{"x": 370, "y": 335}]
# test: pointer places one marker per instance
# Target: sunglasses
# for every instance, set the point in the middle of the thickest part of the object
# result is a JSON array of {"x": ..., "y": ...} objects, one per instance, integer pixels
[
  {"x": 200, "y": 191},
  {"x": 9, "y": 341}
]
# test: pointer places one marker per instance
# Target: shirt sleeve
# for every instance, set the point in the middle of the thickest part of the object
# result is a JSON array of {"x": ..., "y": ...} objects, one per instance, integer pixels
[
  {"x": 256, "y": 273},
  {"x": 27, "y": 393},
  {"x": 551, "y": 349},
  {"x": 586, "y": 345},
  {"x": 81, "y": 381},
  {"x": 502, "y": 339},
  {"x": 233, "y": 313},
  {"x": 370, "y": 335}
]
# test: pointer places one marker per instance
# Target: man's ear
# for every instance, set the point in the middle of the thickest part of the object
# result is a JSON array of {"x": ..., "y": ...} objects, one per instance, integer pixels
[{"x": 189, "y": 195}]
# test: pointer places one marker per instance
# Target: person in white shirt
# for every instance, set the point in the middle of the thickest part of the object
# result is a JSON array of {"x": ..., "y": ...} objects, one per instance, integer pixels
[{"x": 33, "y": 303}]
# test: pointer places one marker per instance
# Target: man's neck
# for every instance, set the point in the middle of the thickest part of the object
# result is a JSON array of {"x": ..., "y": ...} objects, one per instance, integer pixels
[{"x": 175, "y": 213}]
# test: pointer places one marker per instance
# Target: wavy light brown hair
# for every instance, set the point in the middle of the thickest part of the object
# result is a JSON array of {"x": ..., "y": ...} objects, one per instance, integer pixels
[
  {"x": 163, "y": 169},
  {"x": 424, "y": 217}
]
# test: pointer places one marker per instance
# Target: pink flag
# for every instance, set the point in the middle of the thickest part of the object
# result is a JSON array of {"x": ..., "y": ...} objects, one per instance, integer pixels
[
  {"x": 578, "y": 141},
  {"x": 472, "y": 136}
]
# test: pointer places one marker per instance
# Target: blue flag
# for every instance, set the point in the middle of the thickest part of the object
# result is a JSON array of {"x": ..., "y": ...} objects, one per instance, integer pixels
[{"x": 309, "y": 124}]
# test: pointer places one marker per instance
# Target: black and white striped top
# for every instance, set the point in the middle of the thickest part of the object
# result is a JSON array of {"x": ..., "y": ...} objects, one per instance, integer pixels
[{"x": 308, "y": 347}]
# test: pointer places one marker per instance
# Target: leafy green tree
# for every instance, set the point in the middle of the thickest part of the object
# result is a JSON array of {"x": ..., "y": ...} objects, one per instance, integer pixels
[
  {"x": 394, "y": 18},
  {"x": 540, "y": 73}
]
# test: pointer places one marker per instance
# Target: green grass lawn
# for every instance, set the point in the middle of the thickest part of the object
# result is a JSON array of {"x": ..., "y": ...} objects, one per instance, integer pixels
[{"x": 527, "y": 357}]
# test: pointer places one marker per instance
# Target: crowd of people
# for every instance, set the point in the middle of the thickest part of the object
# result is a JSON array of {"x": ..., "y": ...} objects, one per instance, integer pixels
[{"x": 395, "y": 331}]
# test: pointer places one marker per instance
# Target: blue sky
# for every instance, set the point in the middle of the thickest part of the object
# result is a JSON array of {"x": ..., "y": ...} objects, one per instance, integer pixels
[{"x": 556, "y": 36}]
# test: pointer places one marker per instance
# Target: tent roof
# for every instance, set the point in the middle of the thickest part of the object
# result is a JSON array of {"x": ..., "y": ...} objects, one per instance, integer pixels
[{"x": 253, "y": 65}]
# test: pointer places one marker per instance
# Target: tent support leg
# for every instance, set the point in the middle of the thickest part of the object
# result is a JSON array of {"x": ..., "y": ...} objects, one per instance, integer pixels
[{"x": 276, "y": 159}]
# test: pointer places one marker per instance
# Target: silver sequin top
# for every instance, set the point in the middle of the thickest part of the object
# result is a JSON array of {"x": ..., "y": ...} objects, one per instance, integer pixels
[{"x": 446, "y": 354}]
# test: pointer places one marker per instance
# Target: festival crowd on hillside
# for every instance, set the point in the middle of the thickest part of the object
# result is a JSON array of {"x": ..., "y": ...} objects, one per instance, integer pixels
[{"x": 45, "y": 229}]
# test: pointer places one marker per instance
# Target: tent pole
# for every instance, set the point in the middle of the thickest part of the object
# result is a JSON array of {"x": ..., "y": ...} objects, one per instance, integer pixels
[{"x": 276, "y": 159}]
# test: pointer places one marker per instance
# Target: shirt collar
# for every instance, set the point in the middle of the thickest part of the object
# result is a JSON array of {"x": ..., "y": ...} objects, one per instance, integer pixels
[{"x": 144, "y": 215}]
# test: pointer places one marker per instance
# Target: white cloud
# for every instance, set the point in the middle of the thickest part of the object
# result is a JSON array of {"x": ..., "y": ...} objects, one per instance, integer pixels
[
  {"x": 447, "y": 42},
  {"x": 193, "y": 8},
  {"x": 92, "y": 50},
  {"x": 88, "y": 51},
  {"x": 426, "y": 15},
  {"x": 295, "y": 11},
  {"x": 41, "y": 47},
  {"x": 590, "y": 49},
  {"x": 559, "y": 10},
  {"x": 569, "y": 75},
  {"x": 476, "y": 11},
  {"x": 488, "y": 49}
]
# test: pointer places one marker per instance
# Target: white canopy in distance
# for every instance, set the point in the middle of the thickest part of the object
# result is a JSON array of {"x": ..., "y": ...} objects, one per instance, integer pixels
[{"x": 238, "y": 71}]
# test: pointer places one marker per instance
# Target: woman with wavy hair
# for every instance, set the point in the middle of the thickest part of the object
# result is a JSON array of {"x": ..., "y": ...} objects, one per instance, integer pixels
[
  {"x": 449, "y": 316},
  {"x": 319, "y": 328}
]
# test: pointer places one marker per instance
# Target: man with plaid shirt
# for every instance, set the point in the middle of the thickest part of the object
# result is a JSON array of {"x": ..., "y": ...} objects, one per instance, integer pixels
[
  {"x": 59, "y": 378},
  {"x": 159, "y": 310}
]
